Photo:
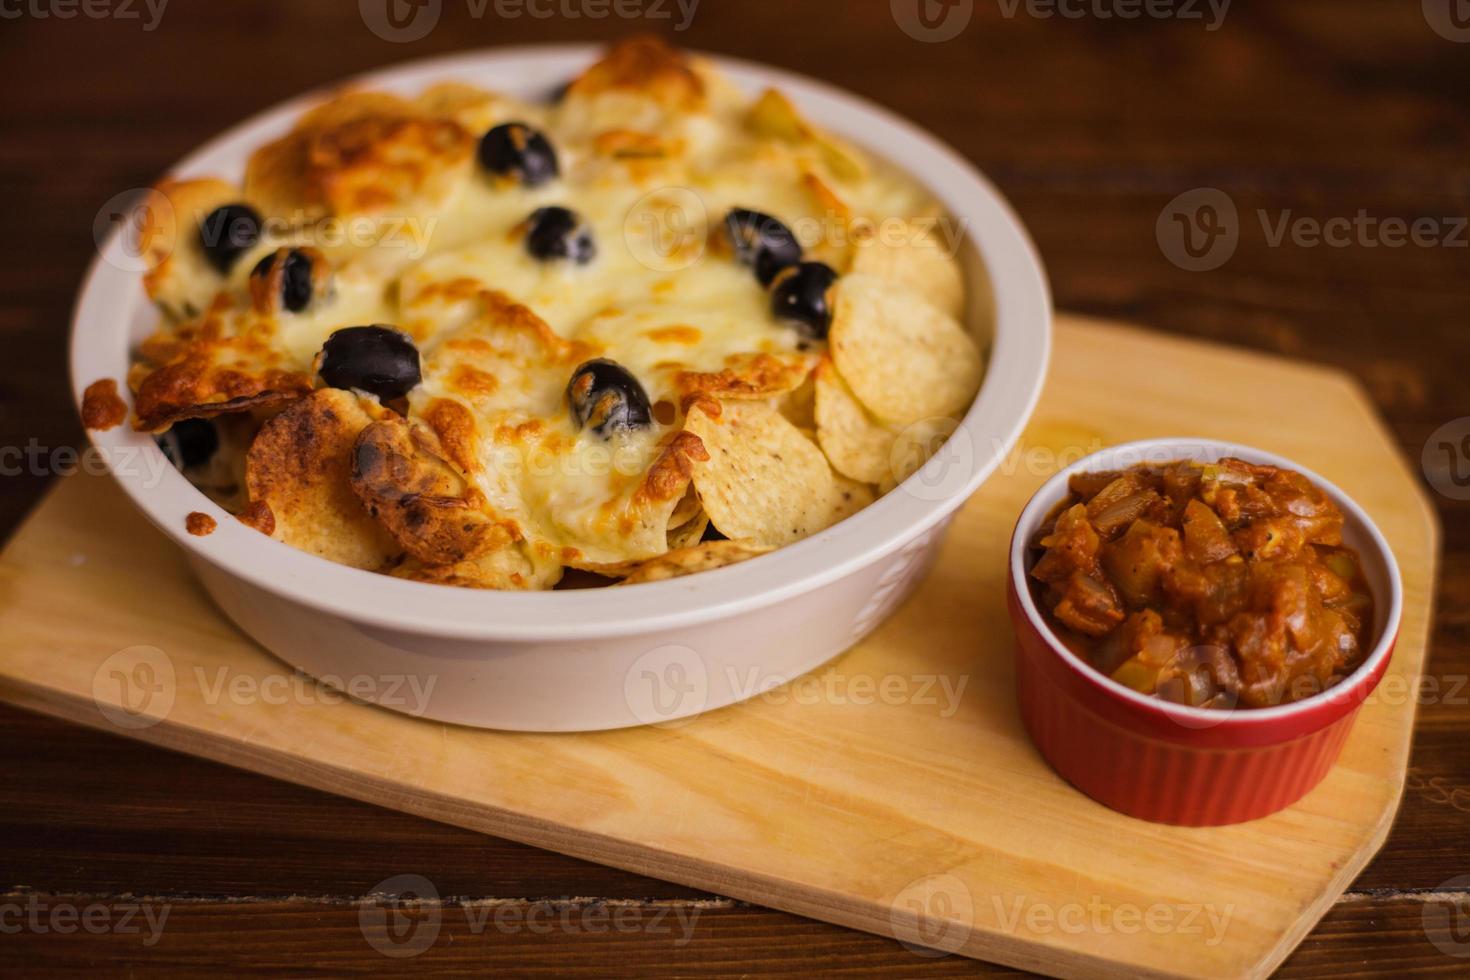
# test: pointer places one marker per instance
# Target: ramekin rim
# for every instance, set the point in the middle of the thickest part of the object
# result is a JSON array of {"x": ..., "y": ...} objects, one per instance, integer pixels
[{"x": 1344, "y": 693}]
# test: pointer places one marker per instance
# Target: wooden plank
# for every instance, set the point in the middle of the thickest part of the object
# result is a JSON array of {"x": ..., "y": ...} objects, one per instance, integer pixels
[
  {"x": 323, "y": 936},
  {"x": 820, "y": 805}
]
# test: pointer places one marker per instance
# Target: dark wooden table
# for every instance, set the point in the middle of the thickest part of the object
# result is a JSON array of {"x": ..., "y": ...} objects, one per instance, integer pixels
[{"x": 1317, "y": 110}]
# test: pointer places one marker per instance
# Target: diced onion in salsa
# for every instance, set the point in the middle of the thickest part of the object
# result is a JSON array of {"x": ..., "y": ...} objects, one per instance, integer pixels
[{"x": 1213, "y": 585}]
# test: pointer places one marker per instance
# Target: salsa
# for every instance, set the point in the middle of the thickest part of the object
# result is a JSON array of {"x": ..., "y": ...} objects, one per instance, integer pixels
[{"x": 1207, "y": 584}]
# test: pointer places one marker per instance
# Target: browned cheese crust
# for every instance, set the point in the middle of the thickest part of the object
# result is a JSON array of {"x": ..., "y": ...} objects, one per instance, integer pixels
[
  {"x": 299, "y": 468},
  {"x": 360, "y": 153},
  {"x": 400, "y": 474}
]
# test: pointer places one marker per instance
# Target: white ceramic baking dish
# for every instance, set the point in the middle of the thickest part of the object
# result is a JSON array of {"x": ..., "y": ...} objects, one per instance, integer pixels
[{"x": 606, "y": 658}]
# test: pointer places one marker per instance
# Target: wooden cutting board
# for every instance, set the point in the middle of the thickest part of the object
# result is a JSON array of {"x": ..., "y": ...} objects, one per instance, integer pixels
[{"x": 893, "y": 791}]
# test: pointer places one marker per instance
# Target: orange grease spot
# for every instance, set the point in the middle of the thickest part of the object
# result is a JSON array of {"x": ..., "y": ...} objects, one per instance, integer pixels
[
  {"x": 199, "y": 524},
  {"x": 102, "y": 408}
]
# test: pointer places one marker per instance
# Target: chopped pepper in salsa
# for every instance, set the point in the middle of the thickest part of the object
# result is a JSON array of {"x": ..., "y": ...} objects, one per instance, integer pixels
[{"x": 1207, "y": 584}]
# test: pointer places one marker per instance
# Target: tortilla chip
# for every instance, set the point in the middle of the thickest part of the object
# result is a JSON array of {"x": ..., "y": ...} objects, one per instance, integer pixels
[
  {"x": 690, "y": 533},
  {"x": 686, "y": 527},
  {"x": 473, "y": 108},
  {"x": 764, "y": 481},
  {"x": 757, "y": 376},
  {"x": 688, "y": 509},
  {"x": 857, "y": 445},
  {"x": 299, "y": 467},
  {"x": 218, "y": 364},
  {"x": 510, "y": 569},
  {"x": 646, "y": 65},
  {"x": 195, "y": 389},
  {"x": 849, "y": 497},
  {"x": 361, "y": 153},
  {"x": 400, "y": 474},
  {"x": 663, "y": 492},
  {"x": 775, "y": 117},
  {"x": 904, "y": 360},
  {"x": 693, "y": 560},
  {"x": 918, "y": 259},
  {"x": 800, "y": 404}
]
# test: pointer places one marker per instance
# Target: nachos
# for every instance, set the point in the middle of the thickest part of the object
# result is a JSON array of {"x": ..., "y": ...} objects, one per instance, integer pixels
[{"x": 648, "y": 328}]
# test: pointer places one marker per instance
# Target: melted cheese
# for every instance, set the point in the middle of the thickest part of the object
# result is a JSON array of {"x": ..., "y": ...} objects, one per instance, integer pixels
[{"x": 500, "y": 332}]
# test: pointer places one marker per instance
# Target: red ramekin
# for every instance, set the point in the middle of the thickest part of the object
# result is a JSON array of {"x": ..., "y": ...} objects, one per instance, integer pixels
[{"x": 1166, "y": 762}]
